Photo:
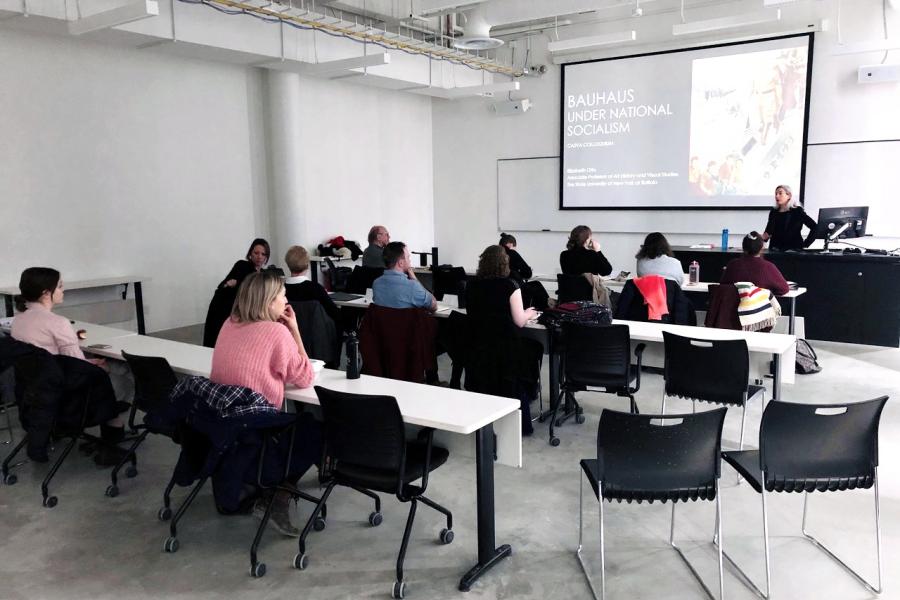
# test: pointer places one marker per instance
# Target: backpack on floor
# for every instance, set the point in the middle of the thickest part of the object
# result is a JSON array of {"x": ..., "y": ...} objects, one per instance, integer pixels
[{"x": 806, "y": 359}]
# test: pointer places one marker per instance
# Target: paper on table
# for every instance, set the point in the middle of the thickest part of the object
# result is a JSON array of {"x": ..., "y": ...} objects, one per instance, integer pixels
[{"x": 701, "y": 246}]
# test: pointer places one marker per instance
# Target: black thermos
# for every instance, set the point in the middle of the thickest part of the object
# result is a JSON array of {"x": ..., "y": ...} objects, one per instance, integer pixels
[{"x": 352, "y": 356}]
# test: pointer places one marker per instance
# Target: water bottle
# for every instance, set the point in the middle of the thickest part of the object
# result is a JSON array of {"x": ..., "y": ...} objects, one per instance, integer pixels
[
  {"x": 694, "y": 273},
  {"x": 724, "y": 240},
  {"x": 352, "y": 356}
]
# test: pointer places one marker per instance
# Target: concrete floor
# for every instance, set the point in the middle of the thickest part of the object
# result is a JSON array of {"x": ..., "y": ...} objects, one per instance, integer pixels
[{"x": 94, "y": 547}]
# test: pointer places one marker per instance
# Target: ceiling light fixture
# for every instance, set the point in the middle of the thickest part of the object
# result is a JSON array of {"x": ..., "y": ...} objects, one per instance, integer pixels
[
  {"x": 730, "y": 22},
  {"x": 583, "y": 44},
  {"x": 127, "y": 13},
  {"x": 476, "y": 33}
]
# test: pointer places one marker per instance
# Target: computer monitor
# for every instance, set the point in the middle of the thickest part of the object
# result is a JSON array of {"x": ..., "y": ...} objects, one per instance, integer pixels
[{"x": 845, "y": 222}]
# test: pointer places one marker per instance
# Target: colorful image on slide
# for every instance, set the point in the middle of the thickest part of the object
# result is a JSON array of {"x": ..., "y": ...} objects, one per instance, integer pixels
[{"x": 751, "y": 128}]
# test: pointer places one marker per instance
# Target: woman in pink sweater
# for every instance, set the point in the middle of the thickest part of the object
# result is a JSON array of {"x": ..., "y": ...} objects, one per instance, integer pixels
[{"x": 260, "y": 348}]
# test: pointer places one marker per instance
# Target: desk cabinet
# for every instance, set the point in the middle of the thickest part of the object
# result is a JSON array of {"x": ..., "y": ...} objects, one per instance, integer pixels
[{"x": 850, "y": 298}]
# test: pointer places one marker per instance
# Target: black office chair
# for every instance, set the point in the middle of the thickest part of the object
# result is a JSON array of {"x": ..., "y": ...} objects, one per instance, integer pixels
[
  {"x": 153, "y": 380},
  {"x": 714, "y": 371},
  {"x": 321, "y": 335},
  {"x": 649, "y": 458},
  {"x": 366, "y": 448},
  {"x": 449, "y": 280},
  {"x": 570, "y": 288},
  {"x": 597, "y": 359},
  {"x": 813, "y": 448},
  {"x": 632, "y": 307},
  {"x": 362, "y": 278}
]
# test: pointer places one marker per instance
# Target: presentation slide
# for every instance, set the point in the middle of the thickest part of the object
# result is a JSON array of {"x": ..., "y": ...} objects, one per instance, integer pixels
[{"x": 713, "y": 127}]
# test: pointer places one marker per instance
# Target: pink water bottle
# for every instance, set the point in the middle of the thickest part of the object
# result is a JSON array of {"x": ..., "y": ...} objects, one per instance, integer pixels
[{"x": 694, "y": 273}]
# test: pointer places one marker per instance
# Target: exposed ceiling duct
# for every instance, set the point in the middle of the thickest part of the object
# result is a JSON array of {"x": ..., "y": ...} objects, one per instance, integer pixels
[{"x": 476, "y": 32}]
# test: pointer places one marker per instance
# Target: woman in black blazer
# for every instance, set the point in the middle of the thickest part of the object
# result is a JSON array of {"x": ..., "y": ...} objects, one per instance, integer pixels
[{"x": 257, "y": 257}]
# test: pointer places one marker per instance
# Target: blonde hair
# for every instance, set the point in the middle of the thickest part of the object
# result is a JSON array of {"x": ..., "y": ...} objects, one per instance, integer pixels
[
  {"x": 792, "y": 202},
  {"x": 255, "y": 296},
  {"x": 297, "y": 259}
]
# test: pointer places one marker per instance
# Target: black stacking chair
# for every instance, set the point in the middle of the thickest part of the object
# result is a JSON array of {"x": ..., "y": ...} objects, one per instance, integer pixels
[
  {"x": 714, "y": 371},
  {"x": 362, "y": 278},
  {"x": 654, "y": 457},
  {"x": 573, "y": 287},
  {"x": 366, "y": 448},
  {"x": 338, "y": 276},
  {"x": 153, "y": 380},
  {"x": 449, "y": 280},
  {"x": 39, "y": 374},
  {"x": 813, "y": 448},
  {"x": 596, "y": 359}
]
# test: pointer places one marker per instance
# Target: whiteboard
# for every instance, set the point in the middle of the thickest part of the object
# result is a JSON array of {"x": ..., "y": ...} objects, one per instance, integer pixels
[{"x": 528, "y": 200}]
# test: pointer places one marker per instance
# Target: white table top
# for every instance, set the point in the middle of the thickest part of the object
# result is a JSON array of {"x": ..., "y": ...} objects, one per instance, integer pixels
[
  {"x": 94, "y": 334},
  {"x": 81, "y": 284},
  {"x": 702, "y": 286},
  {"x": 769, "y": 343},
  {"x": 446, "y": 409}
]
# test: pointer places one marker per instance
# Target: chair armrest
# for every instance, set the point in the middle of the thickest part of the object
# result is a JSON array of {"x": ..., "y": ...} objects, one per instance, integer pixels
[{"x": 639, "y": 355}]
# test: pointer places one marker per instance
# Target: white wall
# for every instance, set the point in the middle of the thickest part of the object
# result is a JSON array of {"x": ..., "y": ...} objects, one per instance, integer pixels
[
  {"x": 468, "y": 139},
  {"x": 118, "y": 161}
]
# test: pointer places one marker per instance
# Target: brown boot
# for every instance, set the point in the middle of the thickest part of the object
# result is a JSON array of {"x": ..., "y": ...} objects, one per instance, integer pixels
[{"x": 280, "y": 517}]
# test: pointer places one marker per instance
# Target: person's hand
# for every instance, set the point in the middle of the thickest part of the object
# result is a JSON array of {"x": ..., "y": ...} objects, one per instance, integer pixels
[
  {"x": 531, "y": 313},
  {"x": 289, "y": 319},
  {"x": 593, "y": 245},
  {"x": 765, "y": 237},
  {"x": 231, "y": 283},
  {"x": 100, "y": 362}
]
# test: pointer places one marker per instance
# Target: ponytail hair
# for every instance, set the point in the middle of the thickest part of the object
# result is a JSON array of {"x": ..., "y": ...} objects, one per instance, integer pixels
[
  {"x": 752, "y": 244},
  {"x": 33, "y": 283}
]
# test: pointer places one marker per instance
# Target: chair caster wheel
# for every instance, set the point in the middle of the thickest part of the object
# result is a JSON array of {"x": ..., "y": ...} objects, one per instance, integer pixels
[
  {"x": 258, "y": 570},
  {"x": 399, "y": 590},
  {"x": 580, "y": 418},
  {"x": 446, "y": 536},
  {"x": 319, "y": 524},
  {"x": 50, "y": 501},
  {"x": 301, "y": 561},
  {"x": 171, "y": 545},
  {"x": 164, "y": 514},
  {"x": 131, "y": 472},
  {"x": 375, "y": 519},
  {"x": 112, "y": 491},
  {"x": 554, "y": 441},
  {"x": 10, "y": 479}
]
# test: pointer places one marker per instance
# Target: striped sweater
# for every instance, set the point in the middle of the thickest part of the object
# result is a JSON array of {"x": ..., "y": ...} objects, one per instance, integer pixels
[{"x": 261, "y": 356}]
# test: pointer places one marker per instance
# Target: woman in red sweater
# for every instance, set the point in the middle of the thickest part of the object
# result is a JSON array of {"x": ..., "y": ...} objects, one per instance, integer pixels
[
  {"x": 754, "y": 268},
  {"x": 260, "y": 348}
]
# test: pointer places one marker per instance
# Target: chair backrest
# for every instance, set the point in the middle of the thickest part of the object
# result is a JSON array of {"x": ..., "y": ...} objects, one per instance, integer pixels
[
  {"x": 710, "y": 370},
  {"x": 573, "y": 287},
  {"x": 363, "y": 429},
  {"x": 449, "y": 280},
  {"x": 596, "y": 355},
  {"x": 397, "y": 342},
  {"x": 154, "y": 379},
  {"x": 362, "y": 278},
  {"x": 723, "y": 305},
  {"x": 319, "y": 331},
  {"x": 338, "y": 276},
  {"x": 819, "y": 446},
  {"x": 652, "y": 457}
]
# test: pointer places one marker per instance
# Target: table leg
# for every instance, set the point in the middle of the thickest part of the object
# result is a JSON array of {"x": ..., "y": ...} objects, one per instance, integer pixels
[
  {"x": 488, "y": 554},
  {"x": 139, "y": 307},
  {"x": 793, "y": 313},
  {"x": 776, "y": 381},
  {"x": 9, "y": 305}
]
